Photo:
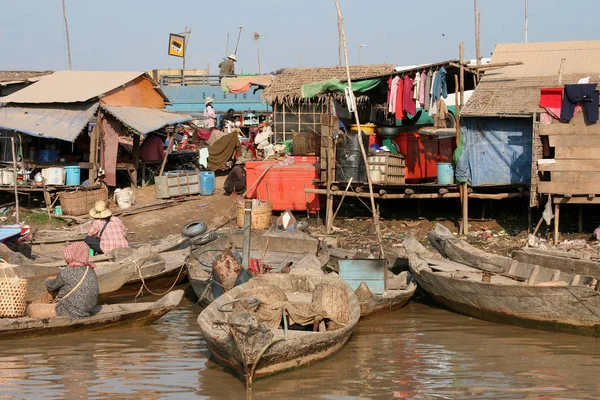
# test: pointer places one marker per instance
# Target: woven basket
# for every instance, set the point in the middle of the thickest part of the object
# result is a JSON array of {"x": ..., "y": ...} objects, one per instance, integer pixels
[
  {"x": 81, "y": 201},
  {"x": 13, "y": 291},
  {"x": 261, "y": 216},
  {"x": 334, "y": 300}
]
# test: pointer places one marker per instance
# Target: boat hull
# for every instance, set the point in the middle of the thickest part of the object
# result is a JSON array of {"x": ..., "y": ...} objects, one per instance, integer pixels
[{"x": 385, "y": 304}]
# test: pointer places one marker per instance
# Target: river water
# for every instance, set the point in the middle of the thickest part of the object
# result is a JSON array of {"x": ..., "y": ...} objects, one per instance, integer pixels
[{"x": 418, "y": 352}]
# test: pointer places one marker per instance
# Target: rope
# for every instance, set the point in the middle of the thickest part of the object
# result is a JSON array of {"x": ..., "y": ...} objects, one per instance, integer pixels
[{"x": 146, "y": 286}]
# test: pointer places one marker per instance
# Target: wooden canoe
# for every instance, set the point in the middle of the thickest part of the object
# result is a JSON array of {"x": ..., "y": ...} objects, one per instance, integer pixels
[
  {"x": 562, "y": 260},
  {"x": 522, "y": 294},
  {"x": 278, "y": 251},
  {"x": 299, "y": 349},
  {"x": 400, "y": 287},
  {"x": 107, "y": 317}
]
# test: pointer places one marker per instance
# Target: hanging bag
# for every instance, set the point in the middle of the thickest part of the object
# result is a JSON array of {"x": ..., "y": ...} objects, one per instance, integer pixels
[{"x": 13, "y": 291}]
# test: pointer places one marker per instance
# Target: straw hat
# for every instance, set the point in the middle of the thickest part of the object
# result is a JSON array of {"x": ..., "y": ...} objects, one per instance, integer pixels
[
  {"x": 209, "y": 100},
  {"x": 100, "y": 210},
  {"x": 232, "y": 57}
]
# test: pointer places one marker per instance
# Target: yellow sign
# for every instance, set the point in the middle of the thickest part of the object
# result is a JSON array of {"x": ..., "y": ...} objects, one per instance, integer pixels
[{"x": 176, "y": 45}]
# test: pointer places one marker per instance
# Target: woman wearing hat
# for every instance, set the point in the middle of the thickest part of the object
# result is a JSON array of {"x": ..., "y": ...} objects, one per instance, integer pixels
[
  {"x": 227, "y": 66},
  {"x": 107, "y": 232},
  {"x": 210, "y": 117}
]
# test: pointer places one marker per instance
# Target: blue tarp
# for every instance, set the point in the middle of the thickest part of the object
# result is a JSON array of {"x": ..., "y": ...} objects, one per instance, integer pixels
[{"x": 497, "y": 151}]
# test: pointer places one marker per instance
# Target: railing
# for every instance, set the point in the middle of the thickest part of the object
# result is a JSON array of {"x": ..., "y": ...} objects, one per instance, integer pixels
[{"x": 191, "y": 80}]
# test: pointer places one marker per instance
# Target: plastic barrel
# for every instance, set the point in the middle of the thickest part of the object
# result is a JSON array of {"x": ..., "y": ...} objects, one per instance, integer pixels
[
  {"x": 445, "y": 174},
  {"x": 349, "y": 159},
  {"x": 73, "y": 175},
  {"x": 48, "y": 155},
  {"x": 207, "y": 183}
]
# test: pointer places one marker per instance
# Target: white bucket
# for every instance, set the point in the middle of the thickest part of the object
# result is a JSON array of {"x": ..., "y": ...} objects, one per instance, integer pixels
[
  {"x": 376, "y": 176},
  {"x": 54, "y": 175},
  {"x": 124, "y": 198},
  {"x": 8, "y": 177}
]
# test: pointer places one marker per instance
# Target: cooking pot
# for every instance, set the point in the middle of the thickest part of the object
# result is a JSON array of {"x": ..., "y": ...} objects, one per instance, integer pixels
[{"x": 388, "y": 131}]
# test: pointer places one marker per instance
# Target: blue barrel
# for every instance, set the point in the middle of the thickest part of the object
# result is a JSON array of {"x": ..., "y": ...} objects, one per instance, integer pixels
[
  {"x": 445, "y": 174},
  {"x": 207, "y": 183},
  {"x": 48, "y": 155},
  {"x": 73, "y": 175}
]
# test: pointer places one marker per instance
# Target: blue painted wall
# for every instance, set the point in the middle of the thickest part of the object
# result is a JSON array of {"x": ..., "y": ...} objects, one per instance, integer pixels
[
  {"x": 497, "y": 151},
  {"x": 191, "y": 99}
]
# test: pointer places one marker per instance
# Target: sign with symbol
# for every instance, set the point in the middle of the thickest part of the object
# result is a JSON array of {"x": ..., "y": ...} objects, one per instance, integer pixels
[{"x": 176, "y": 45}]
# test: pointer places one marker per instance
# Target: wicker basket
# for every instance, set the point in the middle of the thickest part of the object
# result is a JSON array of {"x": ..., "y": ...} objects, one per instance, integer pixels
[
  {"x": 13, "y": 291},
  {"x": 81, "y": 201},
  {"x": 334, "y": 300},
  {"x": 261, "y": 216}
]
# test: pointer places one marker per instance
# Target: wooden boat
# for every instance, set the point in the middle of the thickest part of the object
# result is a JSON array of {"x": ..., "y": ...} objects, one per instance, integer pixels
[
  {"x": 253, "y": 343},
  {"x": 107, "y": 317},
  {"x": 565, "y": 261},
  {"x": 399, "y": 287},
  {"x": 160, "y": 273},
  {"x": 274, "y": 251},
  {"x": 520, "y": 294}
]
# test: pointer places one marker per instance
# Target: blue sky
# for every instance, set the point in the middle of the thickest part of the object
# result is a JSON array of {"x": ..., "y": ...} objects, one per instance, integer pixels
[{"x": 133, "y": 34}]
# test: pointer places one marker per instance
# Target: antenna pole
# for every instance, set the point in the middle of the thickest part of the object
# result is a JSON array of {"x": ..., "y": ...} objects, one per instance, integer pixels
[
  {"x": 526, "y": 19},
  {"x": 64, "y": 9},
  {"x": 238, "y": 39},
  {"x": 258, "y": 53},
  {"x": 227, "y": 45}
]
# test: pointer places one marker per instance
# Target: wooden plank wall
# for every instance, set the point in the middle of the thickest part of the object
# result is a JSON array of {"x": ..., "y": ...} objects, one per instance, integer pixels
[{"x": 577, "y": 158}]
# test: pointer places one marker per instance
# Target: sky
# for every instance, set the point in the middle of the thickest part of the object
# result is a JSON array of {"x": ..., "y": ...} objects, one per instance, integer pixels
[{"x": 125, "y": 35}]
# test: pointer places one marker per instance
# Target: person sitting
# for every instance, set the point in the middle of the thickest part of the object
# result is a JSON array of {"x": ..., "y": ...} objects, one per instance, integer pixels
[
  {"x": 77, "y": 287},
  {"x": 236, "y": 180},
  {"x": 107, "y": 232},
  {"x": 230, "y": 116},
  {"x": 152, "y": 148},
  {"x": 227, "y": 66}
]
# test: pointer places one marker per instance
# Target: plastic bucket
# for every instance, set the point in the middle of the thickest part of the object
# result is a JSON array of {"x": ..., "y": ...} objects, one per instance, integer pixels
[
  {"x": 73, "y": 175},
  {"x": 48, "y": 155},
  {"x": 261, "y": 215},
  {"x": 207, "y": 183},
  {"x": 124, "y": 198},
  {"x": 445, "y": 174}
]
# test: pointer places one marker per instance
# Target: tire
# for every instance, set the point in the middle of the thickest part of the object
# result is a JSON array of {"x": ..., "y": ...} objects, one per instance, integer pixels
[
  {"x": 450, "y": 121},
  {"x": 204, "y": 239},
  {"x": 193, "y": 228}
]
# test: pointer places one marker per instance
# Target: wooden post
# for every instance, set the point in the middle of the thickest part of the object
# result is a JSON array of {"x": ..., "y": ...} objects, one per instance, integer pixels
[
  {"x": 465, "y": 208},
  {"x": 136, "y": 150},
  {"x": 580, "y": 222},
  {"x": 360, "y": 134},
  {"x": 164, "y": 162},
  {"x": 247, "y": 233},
  {"x": 14, "y": 162},
  {"x": 94, "y": 140},
  {"x": 478, "y": 43},
  {"x": 556, "y": 222},
  {"x": 461, "y": 53}
]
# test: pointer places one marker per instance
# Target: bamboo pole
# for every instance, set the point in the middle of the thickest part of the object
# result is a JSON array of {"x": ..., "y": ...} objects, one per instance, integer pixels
[
  {"x": 14, "y": 162},
  {"x": 556, "y": 222},
  {"x": 343, "y": 197},
  {"x": 360, "y": 134},
  {"x": 478, "y": 42},
  {"x": 461, "y": 51},
  {"x": 164, "y": 161}
]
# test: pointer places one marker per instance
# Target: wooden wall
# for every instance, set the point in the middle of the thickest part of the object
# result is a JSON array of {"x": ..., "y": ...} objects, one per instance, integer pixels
[
  {"x": 577, "y": 158},
  {"x": 138, "y": 93}
]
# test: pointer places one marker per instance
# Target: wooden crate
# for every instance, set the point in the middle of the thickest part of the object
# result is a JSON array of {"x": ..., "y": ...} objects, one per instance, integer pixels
[
  {"x": 392, "y": 167},
  {"x": 177, "y": 185}
]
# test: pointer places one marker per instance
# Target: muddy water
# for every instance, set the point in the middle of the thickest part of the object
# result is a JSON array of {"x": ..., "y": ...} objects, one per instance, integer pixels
[{"x": 418, "y": 352}]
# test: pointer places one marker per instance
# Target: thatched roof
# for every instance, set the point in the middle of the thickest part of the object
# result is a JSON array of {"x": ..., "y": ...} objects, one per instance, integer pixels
[
  {"x": 515, "y": 90},
  {"x": 20, "y": 76},
  {"x": 287, "y": 84}
]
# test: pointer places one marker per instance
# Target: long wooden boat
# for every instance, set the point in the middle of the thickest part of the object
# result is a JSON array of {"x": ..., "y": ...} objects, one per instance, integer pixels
[
  {"x": 566, "y": 261},
  {"x": 253, "y": 341},
  {"x": 107, "y": 317},
  {"x": 275, "y": 251},
  {"x": 400, "y": 287},
  {"x": 160, "y": 273},
  {"x": 521, "y": 294}
]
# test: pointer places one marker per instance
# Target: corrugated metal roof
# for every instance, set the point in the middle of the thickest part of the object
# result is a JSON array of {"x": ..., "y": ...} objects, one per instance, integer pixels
[
  {"x": 21, "y": 76},
  {"x": 64, "y": 122},
  {"x": 145, "y": 120},
  {"x": 515, "y": 90},
  {"x": 71, "y": 87}
]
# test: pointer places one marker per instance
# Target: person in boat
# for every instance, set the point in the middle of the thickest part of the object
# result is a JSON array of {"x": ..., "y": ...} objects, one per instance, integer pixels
[
  {"x": 210, "y": 117},
  {"x": 236, "y": 180},
  {"x": 227, "y": 66},
  {"x": 152, "y": 148},
  {"x": 107, "y": 231},
  {"x": 77, "y": 287}
]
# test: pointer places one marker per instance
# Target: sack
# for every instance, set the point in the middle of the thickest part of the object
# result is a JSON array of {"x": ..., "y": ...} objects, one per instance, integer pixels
[{"x": 13, "y": 291}]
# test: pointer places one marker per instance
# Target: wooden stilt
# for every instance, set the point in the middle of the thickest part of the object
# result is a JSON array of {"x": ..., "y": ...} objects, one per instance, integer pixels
[
  {"x": 556, "y": 222},
  {"x": 465, "y": 209},
  {"x": 529, "y": 219},
  {"x": 580, "y": 224}
]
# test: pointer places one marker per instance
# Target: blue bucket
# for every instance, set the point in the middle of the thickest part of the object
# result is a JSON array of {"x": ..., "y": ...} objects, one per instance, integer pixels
[
  {"x": 445, "y": 174},
  {"x": 48, "y": 155},
  {"x": 207, "y": 183},
  {"x": 73, "y": 175}
]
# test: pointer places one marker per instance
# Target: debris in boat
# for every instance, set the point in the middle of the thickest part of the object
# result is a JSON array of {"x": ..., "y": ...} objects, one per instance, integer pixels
[{"x": 227, "y": 268}]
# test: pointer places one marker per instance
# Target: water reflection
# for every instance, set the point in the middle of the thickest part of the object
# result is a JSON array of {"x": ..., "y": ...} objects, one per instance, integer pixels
[{"x": 417, "y": 353}]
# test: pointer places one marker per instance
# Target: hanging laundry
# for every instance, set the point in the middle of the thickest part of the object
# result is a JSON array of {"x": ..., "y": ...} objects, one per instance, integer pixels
[
  {"x": 389, "y": 92},
  {"x": 423, "y": 83},
  {"x": 585, "y": 93},
  {"x": 440, "y": 87},
  {"x": 432, "y": 99},
  {"x": 399, "y": 111},
  {"x": 408, "y": 104},
  {"x": 551, "y": 100},
  {"x": 442, "y": 113},
  {"x": 417, "y": 86},
  {"x": 393, "y": 95},
  {"x": 428, "y": 86}
]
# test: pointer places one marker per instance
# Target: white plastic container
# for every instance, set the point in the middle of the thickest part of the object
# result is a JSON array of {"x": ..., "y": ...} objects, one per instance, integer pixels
[
  {"x": 124, "y": 198},
  {"x": 54, "y": 176}
]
